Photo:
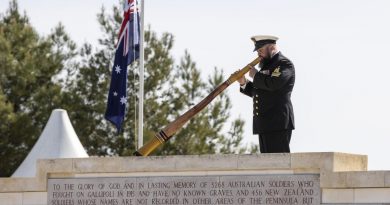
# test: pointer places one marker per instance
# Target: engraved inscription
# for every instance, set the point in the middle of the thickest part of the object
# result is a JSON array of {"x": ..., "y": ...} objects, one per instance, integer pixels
[{"x": 164, "y": 190}]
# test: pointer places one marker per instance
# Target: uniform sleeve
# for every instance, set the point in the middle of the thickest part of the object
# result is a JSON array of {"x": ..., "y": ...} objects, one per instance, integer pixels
[
  {"x": 248, "y": 89},
  {"x": 276, "y": 80}
]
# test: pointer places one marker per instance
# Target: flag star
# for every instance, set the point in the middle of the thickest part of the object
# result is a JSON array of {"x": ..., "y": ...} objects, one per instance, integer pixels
[
  {"x": 115, "y": 93},
  {"x": 123, "y": 100},
  {"x": 117, "y": 69}
]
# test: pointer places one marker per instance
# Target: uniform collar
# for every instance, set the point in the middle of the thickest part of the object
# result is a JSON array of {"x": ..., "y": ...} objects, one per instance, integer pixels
[
  {"x": 266, "y": 63},
  {"x": 275, "y": 55},
  {"x": 274, "y": 58}
]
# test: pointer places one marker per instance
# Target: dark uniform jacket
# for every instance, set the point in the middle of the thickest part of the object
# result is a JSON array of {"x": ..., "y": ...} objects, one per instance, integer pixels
[{"x": 271, "y": 91}]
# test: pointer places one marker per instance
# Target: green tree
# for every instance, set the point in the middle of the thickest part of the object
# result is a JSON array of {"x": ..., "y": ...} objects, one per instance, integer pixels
[
  {"x": 170, "y": 90},
  {"x": 39, "y": 74},
  {"x": 30, "y": 86}
]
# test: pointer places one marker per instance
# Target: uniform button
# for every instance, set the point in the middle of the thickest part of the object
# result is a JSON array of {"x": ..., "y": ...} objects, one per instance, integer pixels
[
  {"x": 257, "y": 113},
  {"x": 257, "y": 107},
  {"x": 257, "y": 95},
  {"x": 257, "y": 101}
]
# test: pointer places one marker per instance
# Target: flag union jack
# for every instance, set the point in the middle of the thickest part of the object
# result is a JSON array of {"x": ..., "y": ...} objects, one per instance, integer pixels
[
  {"x": 130, "y": 14},
  {"x": 127, "y": 51}
]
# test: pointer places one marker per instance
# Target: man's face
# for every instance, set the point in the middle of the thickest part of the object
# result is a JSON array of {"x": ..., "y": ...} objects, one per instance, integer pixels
[{"x": 263, "y": 52}]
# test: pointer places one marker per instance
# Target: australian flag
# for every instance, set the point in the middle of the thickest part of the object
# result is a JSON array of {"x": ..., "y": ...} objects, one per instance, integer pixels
[{"x": 127, "y": 51}]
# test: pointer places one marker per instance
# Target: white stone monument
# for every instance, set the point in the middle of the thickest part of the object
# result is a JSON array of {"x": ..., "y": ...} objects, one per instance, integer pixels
[
  {"x": 58, "y": 140},
  {"x": 296, "y": 178}
]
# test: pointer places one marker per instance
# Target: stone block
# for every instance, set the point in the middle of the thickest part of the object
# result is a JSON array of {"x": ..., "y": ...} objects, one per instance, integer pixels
[
  {"x": 387, "y": 178},
  {"x": 349, "y": 162},
  {"x": 372, "y": 195},
  {"x": 97, "y": 164},
  {"x": 34, "y": 198},
  {"x": 206, "y": 162},
  {"x": 22, "y": 184},
  {"x": 11, "y": 199},
  {"x": 353, "y": 179},
  {"x": 366, "y": 179},
  {"x": 305, "y": 171},
  {"x": 148, "y": 164},
  {"x": 333, "y": 180},
  {"x": 264, "y": 161},
  {"x": 337, "y": 196},
  {"x": 45, "y": 166},
  {"x": 319, "y": 161}
]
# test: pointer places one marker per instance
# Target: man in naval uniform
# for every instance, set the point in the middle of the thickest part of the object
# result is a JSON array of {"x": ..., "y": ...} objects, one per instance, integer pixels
[{"x": 271, "y": 87}]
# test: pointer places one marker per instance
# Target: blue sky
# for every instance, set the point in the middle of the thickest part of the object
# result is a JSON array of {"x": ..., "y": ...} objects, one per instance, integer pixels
[{"x": 339, "y": 48}]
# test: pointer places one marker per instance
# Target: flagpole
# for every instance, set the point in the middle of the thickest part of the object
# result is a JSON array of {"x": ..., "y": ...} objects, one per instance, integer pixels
[{"x": 141, "y": 82}]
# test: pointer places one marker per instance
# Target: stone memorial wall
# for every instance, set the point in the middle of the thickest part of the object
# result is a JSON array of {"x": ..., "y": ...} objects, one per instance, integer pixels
[{"x": 296, "y": 178}]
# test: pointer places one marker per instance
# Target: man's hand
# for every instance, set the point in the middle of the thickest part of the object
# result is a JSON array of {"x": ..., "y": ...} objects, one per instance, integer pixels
[
  {"x": 242, "y": 80},
  {"x": 252, "y": 72}
]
